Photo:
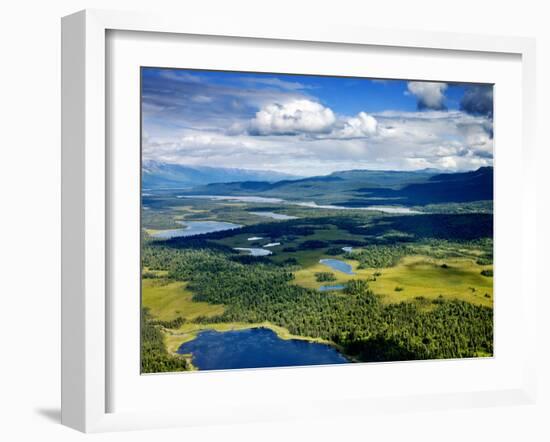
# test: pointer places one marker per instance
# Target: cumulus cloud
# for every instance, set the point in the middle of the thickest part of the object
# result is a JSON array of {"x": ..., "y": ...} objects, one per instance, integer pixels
[
  {"x": 293, "y": 117},
  {"x": 428, "y": 95},
  {"x": 478, "y": 100},
  {"x": 362, "y": 125},
  {"x": 308, "y": 118}
]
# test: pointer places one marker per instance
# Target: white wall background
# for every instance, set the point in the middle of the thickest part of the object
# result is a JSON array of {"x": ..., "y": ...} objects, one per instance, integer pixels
[{"x": 30, "y": 216}]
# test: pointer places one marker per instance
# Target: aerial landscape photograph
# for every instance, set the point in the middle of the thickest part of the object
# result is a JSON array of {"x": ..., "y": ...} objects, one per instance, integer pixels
[{"x": 304, "y": 220}]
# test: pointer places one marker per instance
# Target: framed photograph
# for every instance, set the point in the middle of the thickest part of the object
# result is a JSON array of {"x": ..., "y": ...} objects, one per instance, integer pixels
[{"x": 277, "y": 223}]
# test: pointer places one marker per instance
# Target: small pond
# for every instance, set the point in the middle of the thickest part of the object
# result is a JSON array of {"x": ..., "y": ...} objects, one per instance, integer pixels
[
  {"x": 329, "y": 288},
  {"x": 339, "y": 266},
  {"x": 254, "y": 251}
]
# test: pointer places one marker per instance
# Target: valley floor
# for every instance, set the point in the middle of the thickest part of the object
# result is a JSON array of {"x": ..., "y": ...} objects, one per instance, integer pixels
[{"x": 407, "y": 282}]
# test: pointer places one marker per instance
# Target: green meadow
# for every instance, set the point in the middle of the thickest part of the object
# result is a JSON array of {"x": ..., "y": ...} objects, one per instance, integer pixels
[
  {"x": 168, "y": 300},
  {"x": 414, "y": 276}
]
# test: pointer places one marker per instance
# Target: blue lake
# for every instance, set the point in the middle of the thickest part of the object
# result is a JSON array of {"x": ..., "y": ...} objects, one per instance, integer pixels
[
  {"x": 338, "y": 265},
  {"x": 255, "y": 348},
  {"x": 193, "y": 228},
  {"x": 328, "y": 288}
]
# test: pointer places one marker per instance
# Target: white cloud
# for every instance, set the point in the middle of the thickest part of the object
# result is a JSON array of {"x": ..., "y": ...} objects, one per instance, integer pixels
[
  {"x": 306, "y": 117},
  {"x": 363, "y": 125},
  {"x": 429, "y": 95},
  {"x": 476, "y": 136},
  {"x": 293, "y": 117},
  {"x": 271, "y": 123},
  {"x": 450, "y": 140}
]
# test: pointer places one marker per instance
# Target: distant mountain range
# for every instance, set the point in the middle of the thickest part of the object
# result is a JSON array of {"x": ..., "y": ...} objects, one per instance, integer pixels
[
  {"x": 369, "y": 187},
  {"x": 350, "y": 188},
  {"x": 442, "y": 188},
  {"x": 156, "y": 174}
]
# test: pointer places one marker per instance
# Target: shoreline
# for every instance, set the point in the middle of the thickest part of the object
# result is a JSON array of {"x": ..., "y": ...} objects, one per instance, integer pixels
[{"x": 173, "y": 339}]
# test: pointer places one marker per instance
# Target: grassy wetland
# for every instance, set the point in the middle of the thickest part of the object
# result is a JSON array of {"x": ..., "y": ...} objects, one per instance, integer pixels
[{"x": 419, "y": 286}]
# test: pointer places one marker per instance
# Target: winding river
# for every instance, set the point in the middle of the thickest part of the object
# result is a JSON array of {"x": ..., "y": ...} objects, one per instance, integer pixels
[
  {"x": 310, "y": 204},
  {"x": 274, "y": 215}
]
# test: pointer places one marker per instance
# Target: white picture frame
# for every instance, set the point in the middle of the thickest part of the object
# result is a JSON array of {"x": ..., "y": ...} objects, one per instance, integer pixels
[{"x": 86, "y": 202}]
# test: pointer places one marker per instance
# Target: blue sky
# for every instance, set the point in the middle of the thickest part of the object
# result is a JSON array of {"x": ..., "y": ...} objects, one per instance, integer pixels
[{"x": 310, "y": 125}]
